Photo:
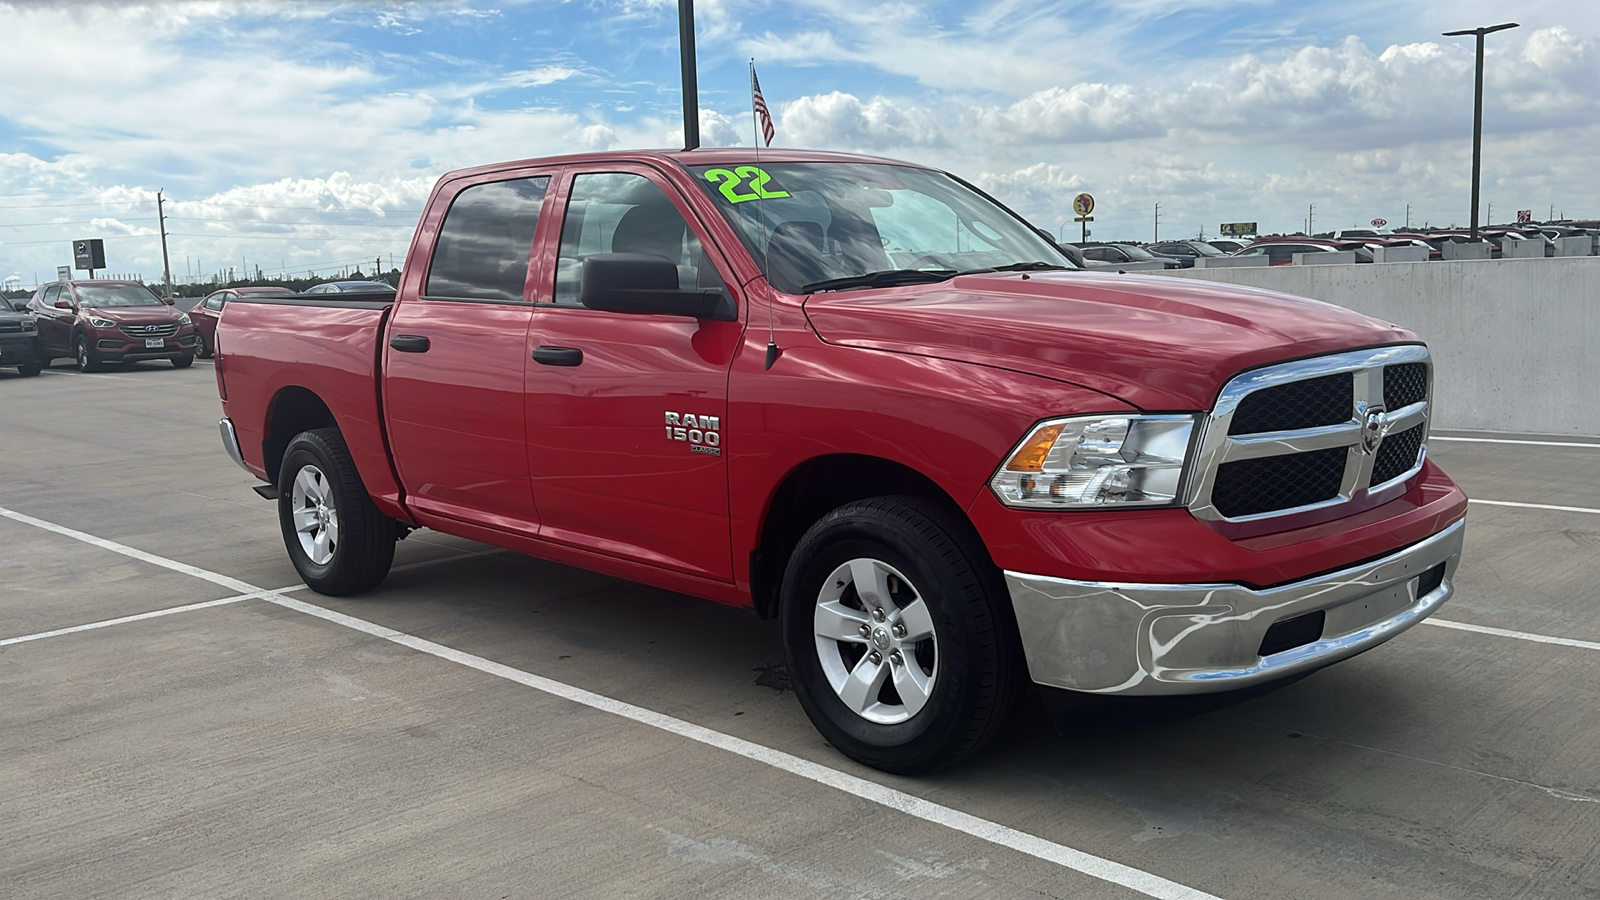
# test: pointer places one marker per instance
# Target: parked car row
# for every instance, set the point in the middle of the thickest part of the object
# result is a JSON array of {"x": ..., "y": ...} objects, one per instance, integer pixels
[
  {"x": 1280, "y": 249},
  {"x": 100, "y": 321}
]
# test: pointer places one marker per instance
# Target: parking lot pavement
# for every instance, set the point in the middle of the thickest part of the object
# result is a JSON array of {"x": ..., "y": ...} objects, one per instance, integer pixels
[{"x": 437, "y": 743}]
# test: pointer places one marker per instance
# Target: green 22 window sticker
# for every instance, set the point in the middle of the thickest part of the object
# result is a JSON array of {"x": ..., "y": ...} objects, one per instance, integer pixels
[{"x": 730, "y": 180}]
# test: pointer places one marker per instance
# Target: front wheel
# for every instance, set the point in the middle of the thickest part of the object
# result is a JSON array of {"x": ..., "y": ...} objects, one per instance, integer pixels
[
  {"x": 30, "y": 369},
  {"x": 88, "y": 360},
  {"x": 896, "y": 635},
  {"x": 337, "y": 540},
  {"x": 183, "y": 362}
]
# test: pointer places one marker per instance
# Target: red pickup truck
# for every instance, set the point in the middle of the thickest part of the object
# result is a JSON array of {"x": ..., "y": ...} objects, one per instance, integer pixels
[{"x": 864, "y": 398}]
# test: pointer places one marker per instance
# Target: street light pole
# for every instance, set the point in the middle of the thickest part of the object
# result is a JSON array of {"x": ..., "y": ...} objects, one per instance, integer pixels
[
  {"x": 1477, "y": 112},
  {"x": 691, "y": 89}
]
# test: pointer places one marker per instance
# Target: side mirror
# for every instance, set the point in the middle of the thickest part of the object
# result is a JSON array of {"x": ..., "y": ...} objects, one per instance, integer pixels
[
  {"x": 647, "y": 284},
  {"x": 19, "y": 305},
  {"x": 169, "y": 301},
  {"x": 63, "y": 303}
]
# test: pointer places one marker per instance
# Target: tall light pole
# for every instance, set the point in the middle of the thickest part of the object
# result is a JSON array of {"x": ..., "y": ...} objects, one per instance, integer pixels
[
  {"x": 1477, "y": 112},
  {"x": 691, "y": 87}
]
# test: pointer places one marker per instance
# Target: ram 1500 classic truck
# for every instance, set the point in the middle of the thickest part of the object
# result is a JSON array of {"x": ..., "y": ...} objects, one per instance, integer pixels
[{"x": 864, "y": 398}]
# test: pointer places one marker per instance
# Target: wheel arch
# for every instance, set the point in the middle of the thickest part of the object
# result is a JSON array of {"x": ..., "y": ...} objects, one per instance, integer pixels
[
  {"x": 293, "y": 409},
  {"x": 817, "y": 486}
]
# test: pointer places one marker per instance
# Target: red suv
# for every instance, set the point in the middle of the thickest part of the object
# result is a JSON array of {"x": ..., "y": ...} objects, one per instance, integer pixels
[
  {"x": 205, "y": 313},
  {"x": 117, "y": 321}
]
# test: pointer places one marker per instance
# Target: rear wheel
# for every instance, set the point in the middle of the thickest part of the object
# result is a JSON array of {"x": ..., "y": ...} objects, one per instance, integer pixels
[
  {"x": 896, "y": 635},
  {"x": 200, "y": 348},
  {"x": 337, "y": 540},
  {"x": 88, "y": 360}
]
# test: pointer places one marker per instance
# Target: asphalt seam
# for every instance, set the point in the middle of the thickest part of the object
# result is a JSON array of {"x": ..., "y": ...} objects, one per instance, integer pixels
[{"x": 1147, "y": 883}]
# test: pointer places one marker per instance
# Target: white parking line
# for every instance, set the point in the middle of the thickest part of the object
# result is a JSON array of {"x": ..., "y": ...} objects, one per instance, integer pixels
[
  {"x": 1467, "y": 440},
  {"x": 1518, "y": 635},
  {"x": 156, "y": 614},
  {"x": 1576, "y": 509},
  {"x": 1146, "y": 883}
]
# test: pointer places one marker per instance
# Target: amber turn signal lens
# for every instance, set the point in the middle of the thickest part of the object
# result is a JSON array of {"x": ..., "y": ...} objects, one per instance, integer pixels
[{"x": 1031, "y": 457}]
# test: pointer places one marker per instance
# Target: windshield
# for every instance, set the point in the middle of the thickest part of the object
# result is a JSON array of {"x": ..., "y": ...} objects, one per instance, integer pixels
[
  {"x": 816, "y": 223},
  {"x": 1133, "y": 252},
  {"x": 1205, "y": 249},
  {"x": 97, "y": 295}
]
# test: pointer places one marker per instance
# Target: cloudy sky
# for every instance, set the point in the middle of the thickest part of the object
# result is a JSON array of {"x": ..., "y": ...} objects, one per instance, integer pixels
[{"x": 301, "y": 136}]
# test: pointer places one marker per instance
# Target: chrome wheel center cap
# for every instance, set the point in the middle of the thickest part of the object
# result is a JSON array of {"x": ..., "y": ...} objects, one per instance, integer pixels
[{"x": 880, "y": 638}]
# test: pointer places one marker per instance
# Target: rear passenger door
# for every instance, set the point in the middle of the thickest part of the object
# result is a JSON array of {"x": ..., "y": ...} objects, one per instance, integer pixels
[
  {"x": 626, "y": 412},
  {"x": 455, "y": 358},
  {"x": 54, "y": 325}
]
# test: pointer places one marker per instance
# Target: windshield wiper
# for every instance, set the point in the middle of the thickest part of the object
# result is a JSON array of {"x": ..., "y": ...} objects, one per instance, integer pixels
[
  {"x": 886, "y": 278},
  {"x": 1026, "y": 267}
]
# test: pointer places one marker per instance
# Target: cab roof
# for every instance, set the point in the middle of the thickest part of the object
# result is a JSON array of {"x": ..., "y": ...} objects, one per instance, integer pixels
[{"x": 702, "y": 156}]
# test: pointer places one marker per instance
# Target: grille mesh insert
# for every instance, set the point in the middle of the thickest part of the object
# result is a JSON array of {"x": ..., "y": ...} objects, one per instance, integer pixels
[
  {"x": 1404, "y": 384},
  {"x": 1396, "y": 455},
  {"x": 1328, "y": 400},
  {"x": 1252, "y": 486}
]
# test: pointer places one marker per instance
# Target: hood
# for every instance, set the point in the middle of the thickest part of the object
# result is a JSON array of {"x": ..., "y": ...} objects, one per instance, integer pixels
[
  {"x": 1156, "y": 342},
  {"x": 133, "y": 315}
]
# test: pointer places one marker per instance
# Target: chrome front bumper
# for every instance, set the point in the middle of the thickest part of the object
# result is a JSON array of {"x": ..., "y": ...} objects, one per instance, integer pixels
[
  {"x": 230, "y": 442},
  {"x": 1143, "y": 639}
]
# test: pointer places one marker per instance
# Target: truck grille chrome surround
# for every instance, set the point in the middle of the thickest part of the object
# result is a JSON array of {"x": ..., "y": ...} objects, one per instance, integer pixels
[{"x": 1312, "y": 440}]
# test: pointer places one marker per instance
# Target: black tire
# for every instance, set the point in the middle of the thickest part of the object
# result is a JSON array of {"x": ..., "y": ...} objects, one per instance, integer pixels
[
  {"x": 183, "y": 362},
  {"x": 362, "y": 547},
  {"x": 200, "y": 348},
  {"x": 30, "y": 369},
  {"x": 87, "y": 359},
  {"x": 974, "y": 664}
]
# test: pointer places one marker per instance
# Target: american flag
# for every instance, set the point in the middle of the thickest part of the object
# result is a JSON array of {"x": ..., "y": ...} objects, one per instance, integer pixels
[{"x": 759, "y": 104}]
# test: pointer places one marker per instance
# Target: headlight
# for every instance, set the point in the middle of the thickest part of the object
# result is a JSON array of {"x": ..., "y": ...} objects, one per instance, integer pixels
[
  {"x": 183, "y": 318},
  {"x": 101, "y": 323},
  {"x": 1097, "y": 461}
]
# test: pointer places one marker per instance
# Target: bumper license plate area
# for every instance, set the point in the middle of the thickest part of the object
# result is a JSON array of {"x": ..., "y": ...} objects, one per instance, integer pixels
[{"x": 154, "y": 343}]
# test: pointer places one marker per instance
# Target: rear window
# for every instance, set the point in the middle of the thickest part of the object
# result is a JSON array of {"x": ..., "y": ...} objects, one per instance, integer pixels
[{"x": 483, "y": 245}]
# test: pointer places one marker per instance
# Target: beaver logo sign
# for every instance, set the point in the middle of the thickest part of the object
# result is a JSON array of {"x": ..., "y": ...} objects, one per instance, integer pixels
[{"x": 1083, "y": 204}]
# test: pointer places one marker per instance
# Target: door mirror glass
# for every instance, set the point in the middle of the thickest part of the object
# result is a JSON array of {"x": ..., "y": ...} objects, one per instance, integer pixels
[{"x": 63, "y": 303}]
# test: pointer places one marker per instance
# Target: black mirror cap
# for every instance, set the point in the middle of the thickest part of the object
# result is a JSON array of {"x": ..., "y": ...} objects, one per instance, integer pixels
[{"x": 646, "y": 284}]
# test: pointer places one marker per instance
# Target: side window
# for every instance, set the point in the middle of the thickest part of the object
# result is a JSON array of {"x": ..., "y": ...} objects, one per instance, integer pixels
[
  {"x": 50, "y": 295},
  {"x": 617, "y": 212},
  {"x": 216, "y": 301},
  {"x": 483, "y": 245}
]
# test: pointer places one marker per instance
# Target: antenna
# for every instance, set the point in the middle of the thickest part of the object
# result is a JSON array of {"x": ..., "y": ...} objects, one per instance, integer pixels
[{"x": 761, "y": 206}]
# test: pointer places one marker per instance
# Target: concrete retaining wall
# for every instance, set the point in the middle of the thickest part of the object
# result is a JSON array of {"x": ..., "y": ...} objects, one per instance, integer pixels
[{"x": 1516, "y": 342}]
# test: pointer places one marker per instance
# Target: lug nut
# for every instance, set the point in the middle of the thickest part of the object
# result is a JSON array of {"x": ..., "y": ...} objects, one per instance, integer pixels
[
  {"x": 864, "y": 631},
  {"x": 875, "y": 657},
  {"x": 879, "y": 614},
  {"x": 899, "y": 629},
  {"x": 896, "y": 658}
]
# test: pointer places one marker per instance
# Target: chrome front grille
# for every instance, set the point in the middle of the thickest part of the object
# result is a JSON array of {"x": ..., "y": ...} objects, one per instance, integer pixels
[
  {"x": 149, "y": 331},
  {"x": 1313, "y": 440}
]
